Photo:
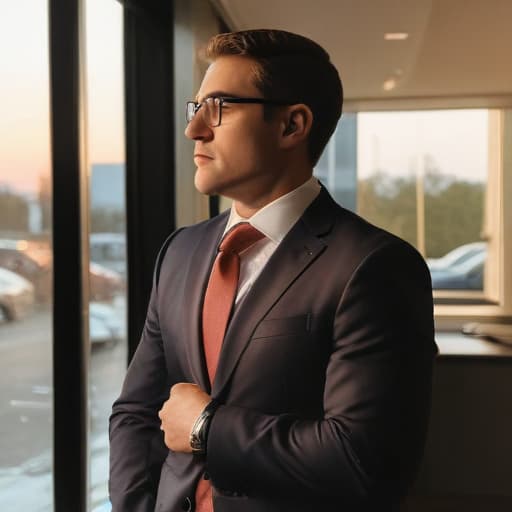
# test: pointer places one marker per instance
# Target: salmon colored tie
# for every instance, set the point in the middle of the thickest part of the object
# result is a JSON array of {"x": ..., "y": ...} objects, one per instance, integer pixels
[
  {"x": 221, "y": 291},
  {"x": 218, "y": 303}
]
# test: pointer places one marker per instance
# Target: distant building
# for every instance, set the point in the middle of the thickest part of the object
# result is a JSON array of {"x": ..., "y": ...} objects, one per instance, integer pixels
[
  {"x": 107, "y": 187},
  {"x": 337, "y": 167},
  {"x": 35, "y": 215}
]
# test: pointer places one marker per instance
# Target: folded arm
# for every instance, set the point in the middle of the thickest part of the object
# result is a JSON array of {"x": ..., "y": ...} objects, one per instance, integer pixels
[{"x": 376, "y": 398}]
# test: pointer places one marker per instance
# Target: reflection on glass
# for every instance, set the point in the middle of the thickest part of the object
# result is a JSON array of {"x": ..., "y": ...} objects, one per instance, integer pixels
[
  {"x": 26, "y": 407},
  {"x": 107, "y": 241}
]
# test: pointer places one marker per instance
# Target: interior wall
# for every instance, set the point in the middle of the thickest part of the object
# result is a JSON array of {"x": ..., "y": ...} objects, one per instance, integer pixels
[
  {"x": 467, "y": 463},
  {"x": 195, "y": 23}
]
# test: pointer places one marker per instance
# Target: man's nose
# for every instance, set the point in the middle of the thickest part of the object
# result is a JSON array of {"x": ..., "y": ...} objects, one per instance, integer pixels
[{"x": 197, "y": 129}]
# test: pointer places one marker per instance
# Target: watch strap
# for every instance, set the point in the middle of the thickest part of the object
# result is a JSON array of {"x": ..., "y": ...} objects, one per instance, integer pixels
[{"x": 199, "y": 432}]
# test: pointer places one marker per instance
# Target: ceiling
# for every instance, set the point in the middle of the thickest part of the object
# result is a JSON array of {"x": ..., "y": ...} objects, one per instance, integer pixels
[{"x": 457, "y": 53}]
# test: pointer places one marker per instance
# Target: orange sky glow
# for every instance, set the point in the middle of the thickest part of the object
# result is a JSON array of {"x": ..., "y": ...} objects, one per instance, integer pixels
[{"x": 24, "y": 90}]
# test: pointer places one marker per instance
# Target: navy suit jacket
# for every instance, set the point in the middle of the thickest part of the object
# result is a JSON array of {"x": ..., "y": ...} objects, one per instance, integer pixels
[{"x": 324, "y": 375}]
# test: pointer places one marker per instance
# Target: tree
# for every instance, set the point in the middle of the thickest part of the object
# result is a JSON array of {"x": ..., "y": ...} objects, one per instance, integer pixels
[
  {"x": 13, "y": 211},
  {"x": 453, "y": 208},
  {"x": 389, "y": 203}
]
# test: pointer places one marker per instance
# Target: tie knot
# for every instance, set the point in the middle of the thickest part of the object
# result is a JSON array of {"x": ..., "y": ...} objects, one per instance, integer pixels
[{"x": 239, "y": 238}]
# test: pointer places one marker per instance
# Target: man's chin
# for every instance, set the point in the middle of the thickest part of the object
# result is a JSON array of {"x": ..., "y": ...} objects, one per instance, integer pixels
[
  {"x": 205, "y": 183},
  {"x": 204, "y": 187}
]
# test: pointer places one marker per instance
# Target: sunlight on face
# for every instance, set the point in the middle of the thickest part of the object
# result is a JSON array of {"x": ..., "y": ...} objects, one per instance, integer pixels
[{"x": 238, "y": 158}]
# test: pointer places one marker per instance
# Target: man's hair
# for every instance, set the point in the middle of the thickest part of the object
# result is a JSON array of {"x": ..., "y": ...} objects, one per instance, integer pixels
[{"x": 290, "y": 68}]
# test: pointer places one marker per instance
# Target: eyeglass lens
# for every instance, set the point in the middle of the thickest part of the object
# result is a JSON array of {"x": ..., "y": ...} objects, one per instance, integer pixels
[{"x": 210, "y": 108}]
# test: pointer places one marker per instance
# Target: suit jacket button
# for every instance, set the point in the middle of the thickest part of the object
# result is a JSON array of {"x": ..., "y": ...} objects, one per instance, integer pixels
[{"x": 186, "y": 506}]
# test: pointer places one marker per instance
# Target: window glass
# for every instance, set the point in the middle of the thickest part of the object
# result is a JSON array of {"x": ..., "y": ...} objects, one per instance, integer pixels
[
  {"x": 421, "y": 175},
  {"x": 107, "y": 239},
  {"x": 26, "y": 407},
  {"x": 337, "y": 167}
]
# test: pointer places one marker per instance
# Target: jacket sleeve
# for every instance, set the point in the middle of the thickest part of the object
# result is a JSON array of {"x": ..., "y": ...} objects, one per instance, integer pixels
[
  {"x": 369, "y": 442},
  {"x": 137, "y": 448}
]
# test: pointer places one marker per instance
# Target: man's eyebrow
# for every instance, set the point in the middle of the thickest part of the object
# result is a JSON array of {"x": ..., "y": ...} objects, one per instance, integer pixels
[{"x": 215, "y": 94}]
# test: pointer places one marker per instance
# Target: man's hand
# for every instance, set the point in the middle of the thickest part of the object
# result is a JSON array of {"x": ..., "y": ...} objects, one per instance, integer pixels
[{"x": 179, "y": 413}]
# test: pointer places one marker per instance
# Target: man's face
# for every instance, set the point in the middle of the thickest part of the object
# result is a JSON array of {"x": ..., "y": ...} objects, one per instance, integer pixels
[{"x": 239, "y": 158}]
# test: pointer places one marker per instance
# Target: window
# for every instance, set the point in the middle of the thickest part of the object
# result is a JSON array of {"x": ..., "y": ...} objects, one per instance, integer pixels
[
  {"x": 26, "y": 406},
  {"x": 423, "y": 175},
  {"x": 436, "y": 179},
  {"x": 107, "y": 238}
]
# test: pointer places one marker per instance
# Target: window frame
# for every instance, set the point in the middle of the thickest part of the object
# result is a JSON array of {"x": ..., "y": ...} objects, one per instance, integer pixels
[
  {"x": 454, "y": 308},
  {"x": 70, "y": 256},
  {"x": 150, "y": 201},
  {"x": 497, "y": 293}
]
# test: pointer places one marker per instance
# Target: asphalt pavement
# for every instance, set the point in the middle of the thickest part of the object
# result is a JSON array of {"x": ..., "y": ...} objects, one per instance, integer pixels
[{"x": 26, "y": 411}]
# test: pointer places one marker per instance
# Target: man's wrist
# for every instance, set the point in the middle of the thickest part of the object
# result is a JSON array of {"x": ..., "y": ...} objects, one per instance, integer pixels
[{"x": 199, "y": 432}]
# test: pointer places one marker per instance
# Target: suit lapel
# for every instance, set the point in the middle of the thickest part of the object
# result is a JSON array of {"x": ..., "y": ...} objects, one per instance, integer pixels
[
  {"x": 199, "y": 269},
  {"x": 296, "y": 252}
]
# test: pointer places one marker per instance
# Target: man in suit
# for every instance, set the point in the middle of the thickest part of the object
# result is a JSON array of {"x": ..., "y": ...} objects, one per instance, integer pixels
[{"x": 307, "y": 386}]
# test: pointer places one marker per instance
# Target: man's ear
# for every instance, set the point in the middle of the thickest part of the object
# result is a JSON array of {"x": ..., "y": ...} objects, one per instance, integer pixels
[{"x": 296, "y": 125}]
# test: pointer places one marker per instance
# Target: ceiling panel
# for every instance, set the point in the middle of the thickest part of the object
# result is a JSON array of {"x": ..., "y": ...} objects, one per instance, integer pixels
[{"x": 456, "y": 49}]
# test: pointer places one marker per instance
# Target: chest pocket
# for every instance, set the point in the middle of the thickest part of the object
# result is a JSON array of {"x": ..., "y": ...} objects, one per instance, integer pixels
[{"x": 276, "y": 327}]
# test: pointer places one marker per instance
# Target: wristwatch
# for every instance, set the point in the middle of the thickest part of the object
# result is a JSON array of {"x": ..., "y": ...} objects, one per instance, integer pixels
[{"x": 199, "y": 433}]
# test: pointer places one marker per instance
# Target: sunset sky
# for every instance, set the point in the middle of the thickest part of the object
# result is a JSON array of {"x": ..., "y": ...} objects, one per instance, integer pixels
[
  {"x": 395, "y": 141},
  {"x": 24, "y": 89},
  {"x": 458, "y": 141}
]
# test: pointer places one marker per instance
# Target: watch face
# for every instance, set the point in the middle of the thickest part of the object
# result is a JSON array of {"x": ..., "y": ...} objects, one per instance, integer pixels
[
  {"x": 196, "y": 445},
  {"x": 200, "y": 429},
  {"x": 195, "y": 437}
]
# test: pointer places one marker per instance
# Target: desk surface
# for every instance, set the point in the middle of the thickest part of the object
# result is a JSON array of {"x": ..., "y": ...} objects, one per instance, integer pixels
[{"x": 460, "y": 345}]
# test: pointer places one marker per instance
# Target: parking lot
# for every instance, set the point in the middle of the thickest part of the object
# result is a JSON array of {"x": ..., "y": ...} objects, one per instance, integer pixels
[{"x": 26, "y": 410}]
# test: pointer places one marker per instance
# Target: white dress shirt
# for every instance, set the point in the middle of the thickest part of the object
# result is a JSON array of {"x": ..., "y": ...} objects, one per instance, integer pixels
[{"x": 274, "y": 220}]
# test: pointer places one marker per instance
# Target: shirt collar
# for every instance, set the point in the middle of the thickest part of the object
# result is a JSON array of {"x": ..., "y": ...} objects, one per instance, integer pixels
[{"x": 277, "y": 218}]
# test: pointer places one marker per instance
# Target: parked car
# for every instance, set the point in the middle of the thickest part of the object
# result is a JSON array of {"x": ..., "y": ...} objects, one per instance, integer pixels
[
  {"x": 105, "y": 324},
  {"x": 109, "y": 250},
  {"x": 468, "y": 275},
  {"x": 105, "y": 283},
  {"x": 103, "y": 507},
  {"x": 16, "y": 296},
  {"x": 457, "y": 256},
  {"x": 34, "y": 262},
  {"x": 31, "y": 260}
]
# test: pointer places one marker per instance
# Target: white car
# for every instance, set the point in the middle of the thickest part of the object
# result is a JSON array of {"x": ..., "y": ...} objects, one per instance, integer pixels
[
  {"x": 16, "y": 296},
  {"x": 105, "y": 324},
  {"x": 457, "y": 256}
]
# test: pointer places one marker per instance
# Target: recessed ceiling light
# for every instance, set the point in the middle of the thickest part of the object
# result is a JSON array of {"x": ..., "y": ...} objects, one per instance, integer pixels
[
  {"x": 389, "y": 84},
  {"x": 396, "y": 36}
]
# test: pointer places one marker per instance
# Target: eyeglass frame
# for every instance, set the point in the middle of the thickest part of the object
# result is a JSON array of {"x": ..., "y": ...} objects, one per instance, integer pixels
[{"x": 230, "y": 99}]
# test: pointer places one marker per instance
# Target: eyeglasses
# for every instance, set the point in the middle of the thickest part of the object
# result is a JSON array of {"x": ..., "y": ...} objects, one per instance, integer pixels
[{"x": 212, "y": 111}]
